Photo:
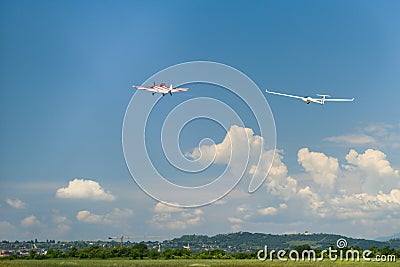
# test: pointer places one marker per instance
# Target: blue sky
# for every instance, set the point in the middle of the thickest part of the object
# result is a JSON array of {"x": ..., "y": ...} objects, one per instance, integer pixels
[{"x": 66, "y": 72}]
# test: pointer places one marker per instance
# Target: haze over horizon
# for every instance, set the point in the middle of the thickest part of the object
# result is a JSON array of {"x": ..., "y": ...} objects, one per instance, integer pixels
[{"x": 67, "y": 70}]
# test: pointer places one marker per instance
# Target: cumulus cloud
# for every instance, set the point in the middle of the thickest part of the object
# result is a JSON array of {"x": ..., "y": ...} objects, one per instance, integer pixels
[
  {"x": 238, "y": 140},
  {"x": 372, "y": 170},
  {"x": 283, "y": 206},
  {"x": 16, "y": 203},
  {"x": 168, "y": 217},
  {"x": 161, "y": 207},
  {"x": 111, "y": 218},
  {"x": 235, "y": 220},
  {"x": 62, "y": 225},
  {"x": 241, "y": 149},
  {"x": 241, "y": 209},
  {"x": 351, "y": 139},
  {"x": 62, "y": 228},
  {"x": 366, "y": 206},
  {"x": 323, "y": 169},
  {"x": 278, "y": 182},
  {"x": 377, "y": 192},
  {"x": 59, "y": 219},
  {"x": 236, "y": 227},
  {"x": 314, "y": 203},
  {"x": 84, "y": 189},
  {"x": 30, "y": 221},
  {"x": 88, "y": 217},
  {"x": 244, "y": 151},
  {"x": 372, "y": 160},
  {"x": 366, "y": 187},
  {"x": 268, "y": 211},
  {"x": 392, "y": 197}
]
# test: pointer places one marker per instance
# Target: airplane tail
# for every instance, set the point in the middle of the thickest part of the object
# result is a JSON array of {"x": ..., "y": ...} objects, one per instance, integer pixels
[{"x": 323, "y": 98}]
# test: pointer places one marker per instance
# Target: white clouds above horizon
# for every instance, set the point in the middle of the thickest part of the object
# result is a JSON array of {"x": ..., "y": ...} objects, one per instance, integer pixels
[
  {"x": 320, "y": 194},
  {"x": 16, "y": 203},
  {"x": 173, "y": 218},
  {"x": 238, "y": 140},
  {"x": 325, "y": 190},
  {"x": 268, "y": 211},
  {"x": 328, "y": 195},
  {"x": 84, "y": 189},
  {"x": 322, "y": 168},
  {"x": 351, "y": 139},
  {"x": 112, "y": 218},
  {"x": 382, "y": 135},
  {"x": 30, "y": 221},
  {"x": 372, "y": 160}
]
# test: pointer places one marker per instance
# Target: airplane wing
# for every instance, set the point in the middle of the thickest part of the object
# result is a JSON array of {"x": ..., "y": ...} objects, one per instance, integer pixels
[
  {"x": 294, "y": 96},
  {"x": 145, "y": 88},
  {"x": 174, "y": 90},
  {"x": 338, "y": 99}
]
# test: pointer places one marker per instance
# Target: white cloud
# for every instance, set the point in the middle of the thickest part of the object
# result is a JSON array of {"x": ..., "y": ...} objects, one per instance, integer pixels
[
  {"x": 59, "y": 219},
  {"x": 30, "y": 221},
  {"x": 62, "y": 228},
  {"x": 366, "y": 206},
  {"x": 253, "y": 159},
  {"x": 278, "y": 182},
  {"x": 241, "y": 209},
  {"x": 88, "y": 217},
  {"x": 268, "y": 211},
  {"x": 325, "y": 191},
  {"x": 283, "y": 206},
  {"x": 323, "y": 169},
  {"x": 372, "y": 171},
  {"x": 168, "y": 217},
  {"x": 381, "y": 135},
  {"x": 379, "y": 129},
  {"x": 241, "y": 149},
  {"x": 392, "y": 197},
  {"x": 235, "y": 220},
  {"x": 161, "y": 207},
  {"x": 315, "y": 204},
  {"x": 238, "y": 140},
  {"x": 372, "y": 161},
  {"x": 366, "y": 201},
  {"x": 236, "y": 227},
  {"x": 16, "y": 203},
  {"x": 351, "y": 139},
  {"x": 112, "y": 218},
  {"x": 84, "y": 189}
]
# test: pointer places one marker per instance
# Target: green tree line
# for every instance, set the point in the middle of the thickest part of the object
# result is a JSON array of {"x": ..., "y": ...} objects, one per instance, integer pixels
[{"x": 141, "y": 251}]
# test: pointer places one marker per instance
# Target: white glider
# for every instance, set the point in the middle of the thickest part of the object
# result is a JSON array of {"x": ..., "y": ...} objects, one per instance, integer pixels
[
  {"x": 161, "y": 88},
  {"x": 308, "y": 100}
]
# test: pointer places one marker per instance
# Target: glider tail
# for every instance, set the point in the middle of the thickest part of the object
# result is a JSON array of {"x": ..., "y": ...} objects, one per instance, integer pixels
[{"x": 323, "y": 98}]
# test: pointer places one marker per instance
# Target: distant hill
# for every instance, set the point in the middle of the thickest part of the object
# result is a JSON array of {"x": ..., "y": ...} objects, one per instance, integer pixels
[
  {"x": 245, "y": 241},
  {"x": 387, "y": 238}
]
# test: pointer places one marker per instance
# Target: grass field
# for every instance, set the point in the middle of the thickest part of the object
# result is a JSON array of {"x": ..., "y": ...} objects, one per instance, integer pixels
[{"x": 172, "y": 263}]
